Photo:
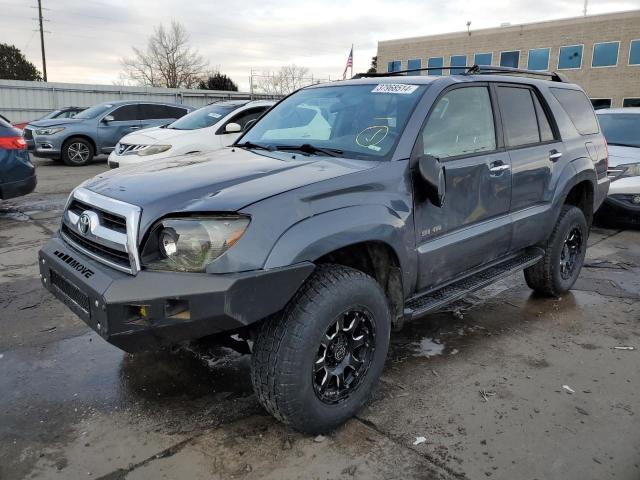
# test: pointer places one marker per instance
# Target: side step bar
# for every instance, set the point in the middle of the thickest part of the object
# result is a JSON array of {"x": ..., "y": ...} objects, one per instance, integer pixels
[{"x": 435, "y": 299}]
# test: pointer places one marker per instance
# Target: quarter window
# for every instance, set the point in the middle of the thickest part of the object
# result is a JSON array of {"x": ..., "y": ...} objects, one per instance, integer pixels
[
  {"x": 538, "y": 59},
  {"x": 414, "y": 64},
  {"x": 460, "y": 124},
  {"x": 394, "y": 66},
  {"x": 436, "y": 63},
  {"x": 579, "y": 109},
  {"x": 634, "y": 52},
  {"x": 483, "y": 58},
  {"x": 518, "y": 116},
  {"x": 510, "y": 59},
  {"x": 458, "y": 61},
  {"x": 605, "y": 54},
  {"x": 570, "y": 57},
  {"x": 125, "y": 113}
]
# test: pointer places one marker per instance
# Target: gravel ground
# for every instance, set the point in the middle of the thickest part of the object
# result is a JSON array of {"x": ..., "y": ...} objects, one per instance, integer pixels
[{"x": 504, "y": 385}]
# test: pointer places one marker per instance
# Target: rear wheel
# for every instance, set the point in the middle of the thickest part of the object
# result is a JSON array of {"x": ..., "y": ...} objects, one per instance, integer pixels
[
  {"x": 558, "y": 270},
  {"x": 315, "y": 365},
  {"x": 77, "y": 152}
]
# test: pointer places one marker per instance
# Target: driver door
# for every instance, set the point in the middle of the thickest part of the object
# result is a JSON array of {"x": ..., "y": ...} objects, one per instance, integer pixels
[
  {"x": 472, "y": 227},
  {"x": 126, "y": 119}
]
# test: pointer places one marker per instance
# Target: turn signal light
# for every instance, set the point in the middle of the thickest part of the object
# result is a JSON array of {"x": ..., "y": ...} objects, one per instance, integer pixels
[{"x": 13, "y": 143}]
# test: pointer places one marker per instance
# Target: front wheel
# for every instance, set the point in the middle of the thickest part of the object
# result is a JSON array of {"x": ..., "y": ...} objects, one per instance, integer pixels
[
  {"x": 315, "y": 365},
  {"x": 566, "y": 248},
  {"x": 77, "y": 152}
]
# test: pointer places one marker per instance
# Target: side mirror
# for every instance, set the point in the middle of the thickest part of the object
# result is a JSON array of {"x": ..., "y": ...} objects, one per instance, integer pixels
[
  {"x": 232, "y": 128},
  {"x": 108, "y": 118},
  {"x": 434, "y": 179}
]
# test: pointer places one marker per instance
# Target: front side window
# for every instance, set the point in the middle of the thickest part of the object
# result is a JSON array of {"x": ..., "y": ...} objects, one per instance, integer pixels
[
  {"x": 579, "y": 109},
  {"x": 634, "y": 52},
  {"x": 125, "y": 113},
  {"x": 605, "y": 54},
  {"x": 394, "y": 66},
  {"x": 483, "y": 58},
  {"x": 436, "y": 64},
  {"x": 460, "y": 124},
  {"x": 518, "y": 116},
  {"x": 620, "y": 128},
  {"x": 510, "y": 59},
  {"x": 361, "y": 121},
  {"x": 458, "y": 61},
  {"x": 243, "y": 118},
  {"x": 203, "y": 117},
  {"x": 538, "y": 59},
  {"x": 570, "y": 57}
]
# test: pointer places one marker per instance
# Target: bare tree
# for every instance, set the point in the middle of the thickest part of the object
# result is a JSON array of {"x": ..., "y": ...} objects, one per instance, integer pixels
[
  {"x": 168, "y": 60},
  {"x": 286, "y": 80}
]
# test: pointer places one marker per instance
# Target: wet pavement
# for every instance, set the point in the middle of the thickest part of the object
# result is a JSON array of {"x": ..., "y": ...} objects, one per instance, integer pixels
[{"x": 504, "y": 384}]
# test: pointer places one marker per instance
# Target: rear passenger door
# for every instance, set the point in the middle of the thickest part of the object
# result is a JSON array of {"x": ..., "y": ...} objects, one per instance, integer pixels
[
  {"x": 472, "y": 228},
  {"x": 152, "y": 115},
  {"x": 535, "y": 151}
]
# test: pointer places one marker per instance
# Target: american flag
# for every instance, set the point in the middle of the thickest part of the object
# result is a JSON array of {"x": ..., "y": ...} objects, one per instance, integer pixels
[{"x": 349, "y": 64}]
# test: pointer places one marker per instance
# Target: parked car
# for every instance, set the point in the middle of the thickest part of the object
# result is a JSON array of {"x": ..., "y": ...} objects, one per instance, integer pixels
[
  {"x": 621, "y": 127},
  {"x": 17, "y": 173},
  {"x": 346, "y": 209},
  {"x": 97, "y": 129},
  {"x": 66, "y": 112},
  {"x": 206, "y": 129}
]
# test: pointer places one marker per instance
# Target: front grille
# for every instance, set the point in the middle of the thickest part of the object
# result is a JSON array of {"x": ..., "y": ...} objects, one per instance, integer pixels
[
  {"x": 27, "y": 134},
  {"x": 109, "y": 220},
  {"x": 111, "y": 254},
  {"x": 70, "y": 291}
]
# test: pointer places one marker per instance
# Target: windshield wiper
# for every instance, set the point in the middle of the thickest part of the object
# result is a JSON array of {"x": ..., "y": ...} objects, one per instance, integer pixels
[
  {"x": 311, "y": 149},
  {"x": 623, "y": 144},
  {"x": 251, "y": 145}
]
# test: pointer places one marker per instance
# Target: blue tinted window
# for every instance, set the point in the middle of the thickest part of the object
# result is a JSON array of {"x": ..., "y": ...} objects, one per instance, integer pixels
[
  {"x": 538, "y": 59},
  {"x": 414, "y": 65},
  {"x": 458, "y": 61},
  {"x": 570, "y": 57},
  {"x": 394, "y": 66},
  {"x": 437, "y": 63},
  {"x": 634, "y": 53},
  {"x": 605, "y": 54},
  {"x": 483, "y": 59},
  {"x": 510, "y": 59}
]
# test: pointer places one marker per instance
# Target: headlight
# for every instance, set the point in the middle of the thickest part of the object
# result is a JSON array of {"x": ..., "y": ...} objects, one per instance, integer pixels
[
  {"x": 49, "y": 131},
  {"x": 190, "y": 244},
  {"x": 153, "y": 149},
  {"x": 624, "y": 171}
]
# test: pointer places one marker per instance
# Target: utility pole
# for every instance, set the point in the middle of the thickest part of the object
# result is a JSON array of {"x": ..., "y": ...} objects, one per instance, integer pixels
[{"x": 44, "y": 58}]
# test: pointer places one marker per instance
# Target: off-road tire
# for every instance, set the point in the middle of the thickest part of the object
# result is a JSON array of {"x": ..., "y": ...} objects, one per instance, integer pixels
[
  {"x": 284, "y": 351},
  {"x": 77, "y": 152},
  {"x": 545, "y": 276}
]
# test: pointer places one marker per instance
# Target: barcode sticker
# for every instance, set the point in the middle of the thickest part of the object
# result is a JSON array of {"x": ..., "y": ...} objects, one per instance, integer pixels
[{"x": 400, "y": 88}]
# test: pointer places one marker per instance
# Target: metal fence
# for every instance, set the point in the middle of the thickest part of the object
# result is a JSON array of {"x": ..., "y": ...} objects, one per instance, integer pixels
[{"x": 21, "y": 101}]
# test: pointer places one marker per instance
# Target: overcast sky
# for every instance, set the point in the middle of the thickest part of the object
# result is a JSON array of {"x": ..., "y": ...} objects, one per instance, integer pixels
[{"x": 88, "y": 37}]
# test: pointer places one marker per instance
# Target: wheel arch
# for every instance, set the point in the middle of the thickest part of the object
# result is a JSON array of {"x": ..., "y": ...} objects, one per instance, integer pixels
[{"x": 83, "y": 137}]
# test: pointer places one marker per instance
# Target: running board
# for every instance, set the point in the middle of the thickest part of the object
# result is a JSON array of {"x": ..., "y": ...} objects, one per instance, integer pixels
[{"x": 435, "y": 299}]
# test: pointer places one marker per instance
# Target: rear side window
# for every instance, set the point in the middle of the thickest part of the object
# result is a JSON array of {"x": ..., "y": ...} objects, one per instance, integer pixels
[
  {"x": 579, "y": 109},
  {"x": 125, "y": 113},
  {"x": 157, "y": 112},
  {"x": 518, "y": 116},
  {"x": 460, "y": 124}
]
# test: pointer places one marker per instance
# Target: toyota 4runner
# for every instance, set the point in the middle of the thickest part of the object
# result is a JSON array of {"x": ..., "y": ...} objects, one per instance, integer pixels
[{"x": 347, "y": 209}]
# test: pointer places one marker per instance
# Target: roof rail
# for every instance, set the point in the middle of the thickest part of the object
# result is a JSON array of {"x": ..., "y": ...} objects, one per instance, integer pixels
[{"x": 474, "y": 70}]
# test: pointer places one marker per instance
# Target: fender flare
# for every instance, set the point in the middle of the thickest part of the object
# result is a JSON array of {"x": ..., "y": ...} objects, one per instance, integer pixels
[{"x": 582, "y": 171}]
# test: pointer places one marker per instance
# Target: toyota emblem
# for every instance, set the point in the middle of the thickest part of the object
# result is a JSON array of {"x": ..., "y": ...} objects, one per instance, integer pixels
[{"x": 84, "y": 223}]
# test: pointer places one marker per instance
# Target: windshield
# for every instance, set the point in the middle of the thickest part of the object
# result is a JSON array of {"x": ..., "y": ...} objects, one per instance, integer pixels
[
  {"x": 49, "y": 115},
  {"x": 621, "y": 128},
  {"x": 203, "y": 117},
  {"x": 360, "y": 121},
  {"x": 93, "y": 112}
]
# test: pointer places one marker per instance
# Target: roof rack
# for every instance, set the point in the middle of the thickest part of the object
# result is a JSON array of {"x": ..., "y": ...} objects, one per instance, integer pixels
[{"x": 474, "y": 70}]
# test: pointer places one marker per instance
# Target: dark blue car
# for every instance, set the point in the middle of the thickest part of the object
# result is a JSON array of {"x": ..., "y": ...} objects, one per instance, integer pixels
[{"x": 17, "y": 173}]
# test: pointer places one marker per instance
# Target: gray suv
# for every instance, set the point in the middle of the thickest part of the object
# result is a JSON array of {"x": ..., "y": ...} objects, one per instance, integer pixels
[{"x": 96, "y": 130}]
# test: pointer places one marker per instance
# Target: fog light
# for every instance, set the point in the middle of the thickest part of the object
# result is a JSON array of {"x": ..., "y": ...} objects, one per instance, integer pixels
[{"x": 138, "y": 314}]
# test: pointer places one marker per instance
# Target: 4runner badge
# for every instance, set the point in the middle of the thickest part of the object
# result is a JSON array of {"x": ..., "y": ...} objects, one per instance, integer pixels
[{"x": 84, "y": 222}]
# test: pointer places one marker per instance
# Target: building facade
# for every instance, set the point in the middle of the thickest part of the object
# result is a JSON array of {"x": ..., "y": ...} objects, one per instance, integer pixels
[{"x": 599, "y": 52}]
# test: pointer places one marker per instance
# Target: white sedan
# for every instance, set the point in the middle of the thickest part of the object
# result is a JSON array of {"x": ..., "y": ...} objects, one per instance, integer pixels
[
  {"x": 621, "y": 128},
  {"x": 209, "y": 128}
]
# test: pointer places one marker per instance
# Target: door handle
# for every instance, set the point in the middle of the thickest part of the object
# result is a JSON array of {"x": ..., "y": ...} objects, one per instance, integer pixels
[
  {"x": 134, "y": 128},
  {"x": 554, "y": 155},
  {"x": 496, "y": 168}
]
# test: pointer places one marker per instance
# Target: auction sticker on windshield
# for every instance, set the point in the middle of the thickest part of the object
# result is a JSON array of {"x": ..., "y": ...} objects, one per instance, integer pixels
[{"x": 400, "y": 88}]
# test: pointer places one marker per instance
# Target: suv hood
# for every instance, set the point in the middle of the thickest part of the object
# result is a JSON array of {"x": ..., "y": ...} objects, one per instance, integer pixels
[
  {"x": 619, "y": 155},
  {"x": 222, "y": 181},
  {"x": 153, "y": 135},
  {"x": 54, "y": 122}
]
